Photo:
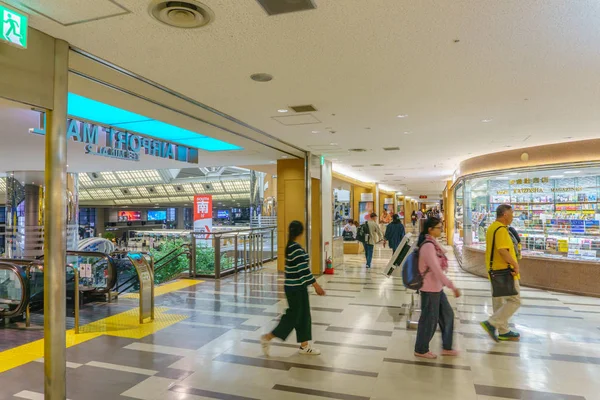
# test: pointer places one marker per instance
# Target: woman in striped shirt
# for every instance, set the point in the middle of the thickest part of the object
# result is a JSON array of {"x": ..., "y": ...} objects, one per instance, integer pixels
[{"x": 297, "y": 279}]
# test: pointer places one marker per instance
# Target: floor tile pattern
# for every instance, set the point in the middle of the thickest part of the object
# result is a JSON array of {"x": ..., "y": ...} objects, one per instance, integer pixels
[{"x": 210, "y": 349}]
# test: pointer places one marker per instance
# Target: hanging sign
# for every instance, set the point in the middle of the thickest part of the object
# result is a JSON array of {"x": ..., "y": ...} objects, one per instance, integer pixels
[
  {"x": 423, "y": 197},
  {"x": 14, "y": 27},
  {"x": 203, "y": 213},
  {"x": 366, "y": 197},
  {"x": 388, "y": 200},
  {"x": 112, "y": 143}
]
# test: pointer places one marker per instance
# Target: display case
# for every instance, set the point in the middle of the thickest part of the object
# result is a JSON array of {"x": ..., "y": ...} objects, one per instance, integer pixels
[{"x": 556, "y": 211}]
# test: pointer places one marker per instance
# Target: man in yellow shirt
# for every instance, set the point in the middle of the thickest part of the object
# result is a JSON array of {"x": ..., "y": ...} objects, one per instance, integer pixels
[{"x": 505, "y": 257}]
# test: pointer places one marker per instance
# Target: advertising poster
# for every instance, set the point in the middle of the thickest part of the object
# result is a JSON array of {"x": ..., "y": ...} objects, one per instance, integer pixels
[
  {"x": 203, "y": 213},
  {"x": 365, "y": 208}
]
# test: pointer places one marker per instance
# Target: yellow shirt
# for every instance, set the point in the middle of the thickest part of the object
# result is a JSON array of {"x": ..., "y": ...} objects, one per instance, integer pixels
[{"x": 503, "y": 241}]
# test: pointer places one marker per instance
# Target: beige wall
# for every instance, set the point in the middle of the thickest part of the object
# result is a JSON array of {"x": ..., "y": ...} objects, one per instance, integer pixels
[
  {"x": 27, "y": 75},
  {"x": 292, "y": 202}
]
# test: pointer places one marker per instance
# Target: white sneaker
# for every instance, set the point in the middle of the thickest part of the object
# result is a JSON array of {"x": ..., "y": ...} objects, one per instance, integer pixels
[
  {"x": 309, "y": 351},
  {"x": 266, "y": 346}
]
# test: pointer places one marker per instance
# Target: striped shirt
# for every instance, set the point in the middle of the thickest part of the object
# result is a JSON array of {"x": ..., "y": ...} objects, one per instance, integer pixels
[{"x": 297, "y": 270}]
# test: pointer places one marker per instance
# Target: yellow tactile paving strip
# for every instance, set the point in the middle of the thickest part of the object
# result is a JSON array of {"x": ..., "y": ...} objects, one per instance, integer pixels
[
  {"x": 167, "y": 288},
  {"x": 125, "y": 324}
]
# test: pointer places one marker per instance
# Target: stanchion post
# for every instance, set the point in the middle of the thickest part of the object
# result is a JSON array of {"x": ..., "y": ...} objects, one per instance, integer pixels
[
  {"x": 272, "y": 244},
  {"x": 217, "y": 257},
  {"x": 55, "y": 362},
  {"x": 76, "y": 295},
  {"x": 193, "y": 256},
  {"x": 235, "y": 253}
]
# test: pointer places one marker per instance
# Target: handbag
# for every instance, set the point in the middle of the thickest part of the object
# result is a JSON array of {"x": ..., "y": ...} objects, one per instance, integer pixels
[{"x": 503, "y": 281}]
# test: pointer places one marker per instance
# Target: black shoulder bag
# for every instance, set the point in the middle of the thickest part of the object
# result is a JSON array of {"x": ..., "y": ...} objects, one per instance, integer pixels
[{"x": 503, "y": 281}]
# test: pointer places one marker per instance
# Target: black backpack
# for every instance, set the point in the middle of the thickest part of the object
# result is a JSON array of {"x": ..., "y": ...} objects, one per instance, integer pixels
[{"x": 363, "y": 232}]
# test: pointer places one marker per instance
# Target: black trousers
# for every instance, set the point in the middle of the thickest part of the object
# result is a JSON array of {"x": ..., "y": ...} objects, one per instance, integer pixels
[
  {"x": 297, "y": 317},
  {"x": 435, "y": 309}
]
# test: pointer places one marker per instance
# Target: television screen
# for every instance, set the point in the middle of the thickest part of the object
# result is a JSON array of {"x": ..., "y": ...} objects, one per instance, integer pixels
[
  {"x": 222, "y": 213},
  {"x": 126, "y": 216},
  {"x": 157, "y": 215}
]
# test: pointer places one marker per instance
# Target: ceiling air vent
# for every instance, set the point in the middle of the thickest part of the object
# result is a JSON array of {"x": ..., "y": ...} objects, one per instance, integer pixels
[
  {"x": 95, "y": 176},
  {"x": 151, "y": 190},
  {"x": 389, "y": 174},
  {"x": 187, "y": 14},
  {"x": 391, "y": 148},
  {"x": 376, "y": 165},
  {"x": 179, "y": 188},
  {"x": 208, "y": 186},
  {"x": 125, "y": 192},
  {"x": 275, "y": 7},
  {"x": 357, "y": 166},
  {"x": 357, "y": 150},
  {"x": 306, "y": 108}
]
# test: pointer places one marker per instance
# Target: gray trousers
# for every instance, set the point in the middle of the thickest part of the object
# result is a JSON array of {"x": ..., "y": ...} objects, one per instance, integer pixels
[{"x": 504, "y": 309}]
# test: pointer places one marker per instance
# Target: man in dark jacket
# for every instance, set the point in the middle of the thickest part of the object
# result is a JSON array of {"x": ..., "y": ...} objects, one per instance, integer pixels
[{"x": 395, "y": 233}]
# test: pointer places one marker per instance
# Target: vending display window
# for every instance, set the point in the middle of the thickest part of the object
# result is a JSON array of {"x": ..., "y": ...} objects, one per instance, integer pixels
[{"x": 556, "y": 211}]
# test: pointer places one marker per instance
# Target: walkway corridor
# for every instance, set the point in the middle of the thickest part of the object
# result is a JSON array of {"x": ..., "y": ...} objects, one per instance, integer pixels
[{"x": 211, "y": 349}]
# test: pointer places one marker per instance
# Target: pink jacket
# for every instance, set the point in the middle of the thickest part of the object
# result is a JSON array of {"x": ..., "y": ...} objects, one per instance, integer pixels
[{"x": 434, "y": 279}]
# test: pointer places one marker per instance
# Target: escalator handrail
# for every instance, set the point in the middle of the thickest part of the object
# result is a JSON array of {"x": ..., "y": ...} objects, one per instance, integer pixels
[
  {"x": 162, "y": 264},
  {"x": 25, "y": 293}
]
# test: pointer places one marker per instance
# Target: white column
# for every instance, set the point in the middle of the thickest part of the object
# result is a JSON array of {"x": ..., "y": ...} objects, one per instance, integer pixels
[{"x": 327, "y": 209}]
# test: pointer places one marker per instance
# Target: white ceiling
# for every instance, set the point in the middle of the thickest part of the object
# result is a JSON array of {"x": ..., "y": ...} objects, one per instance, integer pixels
[{"x": 529, "y": 65}]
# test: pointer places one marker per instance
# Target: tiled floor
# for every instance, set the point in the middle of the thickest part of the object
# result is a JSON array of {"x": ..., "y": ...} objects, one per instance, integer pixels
[{"x": 214, "y": 353}]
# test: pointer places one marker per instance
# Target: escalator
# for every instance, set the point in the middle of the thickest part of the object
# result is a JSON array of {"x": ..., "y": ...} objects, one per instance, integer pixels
[
  {"x": 166, "y": 268},
  {"x": 14, "y": 290},
  {"x": 22, "y": 280}
]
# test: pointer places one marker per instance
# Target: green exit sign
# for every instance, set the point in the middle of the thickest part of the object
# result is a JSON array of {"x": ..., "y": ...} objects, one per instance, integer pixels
[{"x": 14, "y": 27}]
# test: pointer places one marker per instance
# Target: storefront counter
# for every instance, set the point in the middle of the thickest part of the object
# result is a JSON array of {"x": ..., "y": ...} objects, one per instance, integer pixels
[{"x": 561, "y": 274}]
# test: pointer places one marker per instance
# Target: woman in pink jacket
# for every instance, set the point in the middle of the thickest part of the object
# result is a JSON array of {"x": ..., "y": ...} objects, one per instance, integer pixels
[{"x": 435, "y": 308}]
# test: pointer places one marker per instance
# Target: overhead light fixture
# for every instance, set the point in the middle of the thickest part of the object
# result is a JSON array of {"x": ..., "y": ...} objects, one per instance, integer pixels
[
  {"x": 315, "y": 131},
  {"x": 261, "y": 77},
  {"x": 333, "y": 144},
  {"x": 501, "y": 178},
  {"x": 284, "y": 156},
  {"x": 282, "y": 110},
  {"x": 407, "y": 133},
  {"x": 401, "y": 116},
  {"x": 566, "y": 172},
  {"x": 557, "y": 176},
  {"x": 485, "y": 121},
  {"x": 514, "y": 173},
  {"x": 272, "y": 162}
]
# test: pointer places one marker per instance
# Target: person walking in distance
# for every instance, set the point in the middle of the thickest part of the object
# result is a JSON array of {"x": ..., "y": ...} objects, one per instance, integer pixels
[
  {"x": 413, "y": 218},
  {"x": 297, "y": 279},
  {"x": 435, "y": 307},
  {"x": 394, "y": 233},
  {"x": 375, "y": 236},
  {"x": 500, "y": 254}
]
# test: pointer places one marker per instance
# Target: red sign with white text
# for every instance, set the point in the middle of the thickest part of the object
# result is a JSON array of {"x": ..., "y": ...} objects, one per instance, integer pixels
[
  {"x": 203, "y": 213},
  {"x": 422, "y": 196}
]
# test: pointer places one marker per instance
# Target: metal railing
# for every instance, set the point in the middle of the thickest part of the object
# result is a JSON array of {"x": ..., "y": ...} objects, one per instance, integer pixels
[
  {"x": 15, "y": 297},
  {"x": 216, "y": 254}
]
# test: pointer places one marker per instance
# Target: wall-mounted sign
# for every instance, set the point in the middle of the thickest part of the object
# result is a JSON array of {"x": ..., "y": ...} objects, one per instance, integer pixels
[
  {"x": 540, "y": 190},
  {"x": 366, "y": 197},
  {"x": 110, "y": 142},
  {"x": 423, "y": 197},
  {"x": 528, "y": 181},
  {"x": 14, "y": 27},
  {"x": 203, "y": 213},
  {"x": 388, "y": 200}
]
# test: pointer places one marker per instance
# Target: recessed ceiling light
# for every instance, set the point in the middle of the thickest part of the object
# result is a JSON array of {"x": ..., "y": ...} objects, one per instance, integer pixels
[
  {"x": 485, "y": 121},
  {"x": 501, "y": 178},
  {"x": 333, "y": 144},
  {"x": 284, "y": 156},
  {"x": 401, "y": 116},
  {"x": 315, "y": 131},
  {"x": 557, "y": 176},
  {"x": 282, "y": 110},
  {"x": 514, "y": 173},
  {"x": 407, "y": 133},
  {"x": 272, "y": 162},
  {"x": 572, "y": 172},
  {"x": 261, "y": 77}
]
